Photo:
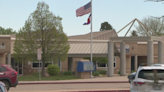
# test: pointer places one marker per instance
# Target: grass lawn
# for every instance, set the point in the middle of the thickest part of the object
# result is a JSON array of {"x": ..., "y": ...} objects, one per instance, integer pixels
[{"x": 36, "y": 78}]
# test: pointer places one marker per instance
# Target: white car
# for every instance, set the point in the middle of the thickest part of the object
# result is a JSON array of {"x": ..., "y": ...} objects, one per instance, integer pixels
[
  {"x": 2, "y": 87},
  {"x": 148, "y": 79}
]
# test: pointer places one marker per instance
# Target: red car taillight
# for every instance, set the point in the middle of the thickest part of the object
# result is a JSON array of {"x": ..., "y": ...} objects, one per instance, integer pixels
[
  {"x": 139, "y": 83},
  {"x": 15, "y": 73}
]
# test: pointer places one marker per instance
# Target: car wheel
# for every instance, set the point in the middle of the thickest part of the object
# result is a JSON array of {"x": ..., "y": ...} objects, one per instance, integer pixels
[{"x": 6, "y": 84}]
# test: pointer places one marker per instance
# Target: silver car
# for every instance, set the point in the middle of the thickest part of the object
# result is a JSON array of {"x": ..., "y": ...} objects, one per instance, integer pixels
[{"x": 148, "y": 79}]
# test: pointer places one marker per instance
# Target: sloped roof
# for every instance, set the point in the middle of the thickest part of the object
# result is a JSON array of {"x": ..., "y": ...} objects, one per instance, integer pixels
[
  {"x": 95, "y": 34},
  {"x": 83, "y": 47}
]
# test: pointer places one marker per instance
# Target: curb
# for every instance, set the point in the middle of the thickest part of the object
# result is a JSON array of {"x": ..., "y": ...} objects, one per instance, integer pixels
[
  {"x": 103, "y": 91},
  {"x": 71, "y": 82}
]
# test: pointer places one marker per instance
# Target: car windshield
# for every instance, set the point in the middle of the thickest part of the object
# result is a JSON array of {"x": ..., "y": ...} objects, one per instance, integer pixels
[{"x": 151, "y": 74}]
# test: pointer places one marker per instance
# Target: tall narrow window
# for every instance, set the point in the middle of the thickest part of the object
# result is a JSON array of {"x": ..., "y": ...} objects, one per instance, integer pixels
[{"x": 114, "y": 62}]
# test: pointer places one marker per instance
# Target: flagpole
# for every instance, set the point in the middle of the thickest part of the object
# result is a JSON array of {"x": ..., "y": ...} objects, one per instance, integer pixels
[{"x": 91, "y": 35}]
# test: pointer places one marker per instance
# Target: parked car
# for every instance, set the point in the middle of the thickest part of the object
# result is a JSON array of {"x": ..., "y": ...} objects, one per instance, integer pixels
[
  {"x": 146, "y": 77},
  {"x": 2, "y": 87},
  {"x": 8, "y": 76},
  {"x": 132, "y": 75}
]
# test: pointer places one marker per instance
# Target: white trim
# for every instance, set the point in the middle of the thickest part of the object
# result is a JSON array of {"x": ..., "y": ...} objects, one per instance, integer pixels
[
  {"x": 12, "y": 38},
  {"x": 146, "y": 42},
  {"x": 5, "y": 36}
]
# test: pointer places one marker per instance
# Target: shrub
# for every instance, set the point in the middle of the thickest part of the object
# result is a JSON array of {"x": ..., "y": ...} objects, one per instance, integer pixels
[
  {"x": 53, "y": 70},
  {"x": 96, "y": 73},
  {"x": 67, "y": 73},
  {"x": 118, "y": 72},
  {"x": 133, "y": 71},
  {"x": 102, "y": 71}
]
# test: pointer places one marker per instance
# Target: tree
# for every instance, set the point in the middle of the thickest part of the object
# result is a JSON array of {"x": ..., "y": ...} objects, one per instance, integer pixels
[
  {"x": 41, "y": 30},
  {"x": 134, "y": 33},
  {"x": 105, "y": 26},
  {"x": 154, "y": 24},
  {"x": 7, "y": 31}
]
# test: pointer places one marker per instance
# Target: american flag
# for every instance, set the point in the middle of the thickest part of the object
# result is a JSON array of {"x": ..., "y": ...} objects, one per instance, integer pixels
[{"x": 83, "y": 10}]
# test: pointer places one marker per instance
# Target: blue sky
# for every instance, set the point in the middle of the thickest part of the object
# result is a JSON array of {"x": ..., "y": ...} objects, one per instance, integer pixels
[{"x": 118, "y": 13}]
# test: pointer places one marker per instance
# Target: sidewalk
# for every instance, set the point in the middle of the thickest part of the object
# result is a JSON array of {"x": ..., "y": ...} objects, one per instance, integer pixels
[
  {"x": 101, "y": 84},
  {"x": 115, "y": 79},
  {"x": 82, "y": 90}
]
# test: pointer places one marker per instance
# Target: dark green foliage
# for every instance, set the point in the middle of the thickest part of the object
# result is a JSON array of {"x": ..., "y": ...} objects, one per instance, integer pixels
[
  {"x": 96, "y": 73},
  {"x": 66, "y": 73},
  {"x": 134, "y": 33},
  {"x": 105, "y": 26},
  {"x": 103, "y": 72},
  {"x": 133, "y": 71},
  {"x": 53, "y": 70},
  {"x": 7, "y": 31}
]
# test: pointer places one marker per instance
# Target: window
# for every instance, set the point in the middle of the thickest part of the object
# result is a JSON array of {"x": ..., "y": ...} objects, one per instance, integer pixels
[
  {"x": 101, "y": 64},
  {"x": 36, "y": 65},
  {"x": 149, "y": 74},
  {"x": 2, "y": 69},
  {"x": 114, "y": 62}
]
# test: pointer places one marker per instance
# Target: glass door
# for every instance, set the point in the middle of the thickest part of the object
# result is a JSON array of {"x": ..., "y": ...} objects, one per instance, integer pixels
[{"x": 17, "y": 66}]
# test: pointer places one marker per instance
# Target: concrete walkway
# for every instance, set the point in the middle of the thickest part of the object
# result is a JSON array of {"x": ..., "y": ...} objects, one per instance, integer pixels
[
  {"x": 115, "y": 79},
  {"x": 94, "y": 87},
  {"x": 101, "y": 84}
]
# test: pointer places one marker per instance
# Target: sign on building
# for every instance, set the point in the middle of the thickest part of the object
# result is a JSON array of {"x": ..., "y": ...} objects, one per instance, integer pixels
[{"x": 126, "y": 48}]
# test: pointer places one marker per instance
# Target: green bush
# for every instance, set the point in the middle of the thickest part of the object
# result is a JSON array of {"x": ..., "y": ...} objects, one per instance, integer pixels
[
  {"x": 96, "y": 73},
  {"x": 53, "y": 70},
  {"x": 133, "y": 71},
  {"x": 67, "y": 73},
  {"x": 118, "y": 72},
  {"x": 102, "y": 72}
]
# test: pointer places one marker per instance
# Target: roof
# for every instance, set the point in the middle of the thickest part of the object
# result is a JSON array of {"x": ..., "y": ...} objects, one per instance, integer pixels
[
  {"x": 80, "y": 45},
  {"x": 82, "y": 48},
  {"x": 100, "y": 35}
]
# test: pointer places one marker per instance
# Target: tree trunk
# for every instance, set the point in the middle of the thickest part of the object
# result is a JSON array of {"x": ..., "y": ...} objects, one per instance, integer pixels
[{"x": 43, "y": 68}]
